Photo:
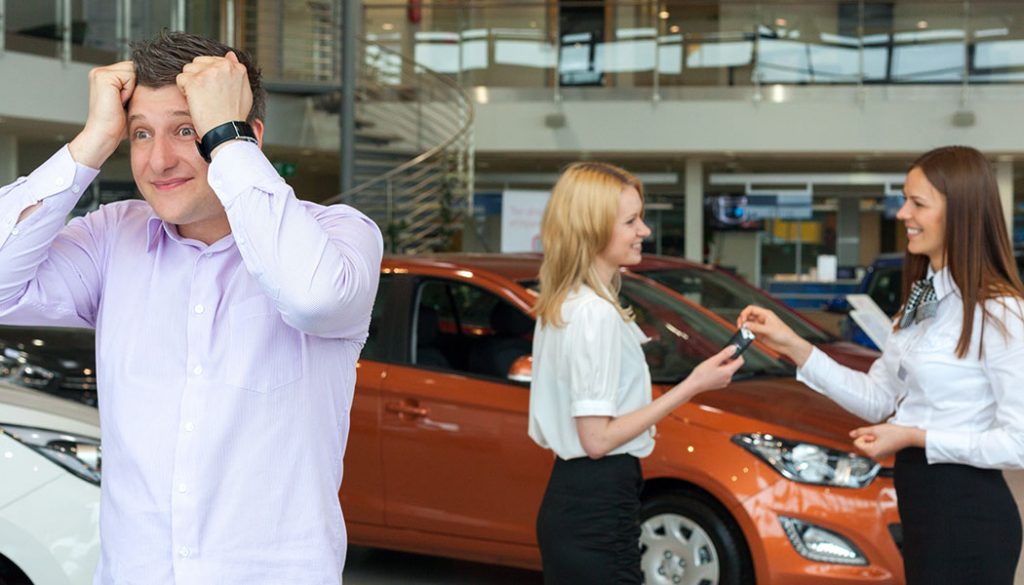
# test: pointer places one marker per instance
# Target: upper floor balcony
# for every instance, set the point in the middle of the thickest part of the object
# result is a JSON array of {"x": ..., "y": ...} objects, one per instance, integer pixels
[{"x": 665, "y": 49}]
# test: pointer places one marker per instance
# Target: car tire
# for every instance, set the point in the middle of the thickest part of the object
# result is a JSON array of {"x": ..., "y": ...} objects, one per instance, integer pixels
[{"x": 687, "y": 538}]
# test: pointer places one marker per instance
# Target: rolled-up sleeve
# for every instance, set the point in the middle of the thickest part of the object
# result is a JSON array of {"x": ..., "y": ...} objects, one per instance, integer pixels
[{"x": 595, "y": 338}]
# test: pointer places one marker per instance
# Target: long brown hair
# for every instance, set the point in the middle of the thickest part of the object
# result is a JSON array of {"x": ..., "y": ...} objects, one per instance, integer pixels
[
  {"x": 981, "y": 261},
  {"x": 576, "y": 226}
]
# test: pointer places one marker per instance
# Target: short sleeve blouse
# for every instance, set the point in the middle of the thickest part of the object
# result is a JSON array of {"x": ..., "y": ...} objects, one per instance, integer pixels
[{"x": 592, "y": 366}]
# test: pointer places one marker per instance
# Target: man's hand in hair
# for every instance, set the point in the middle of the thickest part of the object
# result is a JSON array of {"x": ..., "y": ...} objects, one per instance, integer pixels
[
  {"x": 217, "y": 90},
  {"x": 110, "y": 88}
]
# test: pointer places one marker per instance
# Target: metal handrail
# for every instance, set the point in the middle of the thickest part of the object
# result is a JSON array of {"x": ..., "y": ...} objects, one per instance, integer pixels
[{"x": 431, "y": 152}]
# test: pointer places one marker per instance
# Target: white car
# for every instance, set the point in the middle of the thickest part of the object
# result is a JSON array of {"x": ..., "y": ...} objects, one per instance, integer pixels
[{"x": 50, "y": 462}]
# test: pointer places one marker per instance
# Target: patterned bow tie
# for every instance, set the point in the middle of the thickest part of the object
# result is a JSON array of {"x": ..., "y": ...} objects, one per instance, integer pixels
[{"x": 921, "y": 304}]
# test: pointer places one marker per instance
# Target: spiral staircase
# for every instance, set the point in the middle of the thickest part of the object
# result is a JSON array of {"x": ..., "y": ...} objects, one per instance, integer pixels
[{"x": 413, "y": 138}]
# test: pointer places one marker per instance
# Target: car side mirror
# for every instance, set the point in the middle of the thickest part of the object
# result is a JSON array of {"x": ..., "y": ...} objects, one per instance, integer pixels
[{"x": 521, "y": 370}]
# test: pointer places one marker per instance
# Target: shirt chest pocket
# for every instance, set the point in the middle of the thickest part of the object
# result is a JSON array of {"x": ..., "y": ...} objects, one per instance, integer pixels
[
  {"x": 266, "y": 354},
  {"x": 937, "y": 344}
]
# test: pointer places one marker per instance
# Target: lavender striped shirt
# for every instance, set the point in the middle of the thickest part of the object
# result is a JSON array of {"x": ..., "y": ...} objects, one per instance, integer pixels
[{"x": 226, "y": 372}]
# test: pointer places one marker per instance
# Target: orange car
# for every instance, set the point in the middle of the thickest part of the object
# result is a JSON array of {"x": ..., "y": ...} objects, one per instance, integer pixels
[{"x": 752, "y": 484}]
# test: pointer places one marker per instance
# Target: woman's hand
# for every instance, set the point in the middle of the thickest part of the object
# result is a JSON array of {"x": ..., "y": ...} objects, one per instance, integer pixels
[
  {"x": 771, "y": 331},
  {"x": 713, "y": 373},
  {"x": 880, "y": 441}
]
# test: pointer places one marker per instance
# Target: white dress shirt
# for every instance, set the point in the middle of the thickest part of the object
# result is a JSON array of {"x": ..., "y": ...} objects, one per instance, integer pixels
[
  {"x": 971, "y": 408},
  {"x": 226, "y": 371},
  {"x": 592, "y": 366}
]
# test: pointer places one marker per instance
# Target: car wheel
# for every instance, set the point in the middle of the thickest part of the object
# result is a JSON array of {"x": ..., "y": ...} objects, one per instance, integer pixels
[{"x": 688, "y": 539}]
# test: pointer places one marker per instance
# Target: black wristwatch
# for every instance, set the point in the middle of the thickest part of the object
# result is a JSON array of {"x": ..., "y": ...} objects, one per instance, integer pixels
[{"x": 223, "y": 133}]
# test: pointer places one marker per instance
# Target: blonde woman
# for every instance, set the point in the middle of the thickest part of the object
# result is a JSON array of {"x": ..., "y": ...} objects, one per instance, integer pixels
[{"x": 590, "y": 401}]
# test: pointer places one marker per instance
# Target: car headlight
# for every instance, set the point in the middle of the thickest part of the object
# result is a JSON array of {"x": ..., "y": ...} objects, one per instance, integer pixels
[
  {"x": 15, "y": 368},
  {"x": 810, "y": 463},
  {"x": 8, "y": 362},
  {"x": 79, "y": 455}
]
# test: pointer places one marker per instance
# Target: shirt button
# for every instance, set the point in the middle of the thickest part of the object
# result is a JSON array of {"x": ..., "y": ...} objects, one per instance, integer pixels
[
  {"x": 199, "y": 309},
  {"x": 190, "y": 427},
  {"x": 15, "y": 232},
  {"x": 198, "y": 370},
  {"x": 240, "y": 240},
  {"x": 183, "y": 552},
  {"x": 182, "y": 488},
  {"x": 75, "y": 188},
  {"x": 58, "y": 181}
]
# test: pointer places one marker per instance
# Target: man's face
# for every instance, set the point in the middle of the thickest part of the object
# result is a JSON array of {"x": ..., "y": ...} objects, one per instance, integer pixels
[{"x": 168, "y": 169}]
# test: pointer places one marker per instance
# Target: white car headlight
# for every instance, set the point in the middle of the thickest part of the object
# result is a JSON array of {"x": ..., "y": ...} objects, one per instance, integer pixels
[
  {"x": 15, "y": 368},
  {"x": 810, "y": 463},
  {"x": 79, "y": 455}
]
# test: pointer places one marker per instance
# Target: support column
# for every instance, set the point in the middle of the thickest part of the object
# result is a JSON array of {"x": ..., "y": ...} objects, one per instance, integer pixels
[
  {"x": 848, "y": 231},
  {"x": 1004, "y": 177},
  {"x": 8, "y": 158},
  {"x": 694, "y": 229},
  {"x": 350, "y": 16}
]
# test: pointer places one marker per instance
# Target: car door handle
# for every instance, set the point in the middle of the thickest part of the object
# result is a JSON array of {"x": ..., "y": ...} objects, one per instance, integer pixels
[{"x": 407, "y": 409}]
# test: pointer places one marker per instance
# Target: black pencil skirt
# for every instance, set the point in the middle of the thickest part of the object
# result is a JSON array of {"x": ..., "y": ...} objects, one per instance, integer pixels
[
  {"x": 588, "y": 525},
  {"x": 960, "y": 523}
]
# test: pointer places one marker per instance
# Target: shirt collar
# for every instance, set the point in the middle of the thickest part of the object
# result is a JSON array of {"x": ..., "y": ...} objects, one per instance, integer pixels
[
  {"x": 156, "y": 227},
  {"x": 153, "y": 228},
  {"x": 943, "y": 283}
]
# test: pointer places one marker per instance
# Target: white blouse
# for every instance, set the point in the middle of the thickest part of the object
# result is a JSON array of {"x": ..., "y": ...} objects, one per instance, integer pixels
[
  {"x": 592, "y": 366},
  {"x": 972, "y": 408}
]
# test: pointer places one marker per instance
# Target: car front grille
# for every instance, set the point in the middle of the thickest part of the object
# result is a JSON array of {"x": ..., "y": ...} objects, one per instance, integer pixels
[{"x": 78, "y": 383}]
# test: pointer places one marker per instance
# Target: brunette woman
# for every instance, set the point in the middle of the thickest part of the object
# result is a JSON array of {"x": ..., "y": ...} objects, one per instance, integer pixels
[{"x": 950, "y": 382}]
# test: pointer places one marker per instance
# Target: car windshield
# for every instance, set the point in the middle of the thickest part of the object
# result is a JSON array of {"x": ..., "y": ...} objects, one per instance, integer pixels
[
  {"x": 886, "y": 287},
  {"x": 681, "y": 336},
  {"x": 726, "y": 297}
]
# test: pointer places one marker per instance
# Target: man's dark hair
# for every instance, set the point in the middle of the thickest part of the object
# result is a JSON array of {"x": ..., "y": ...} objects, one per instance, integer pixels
[{"x": 158, "y": 62}]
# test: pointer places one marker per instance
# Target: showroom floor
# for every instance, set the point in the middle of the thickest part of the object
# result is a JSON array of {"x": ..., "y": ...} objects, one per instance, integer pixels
[{"x": 367, "y": 566}]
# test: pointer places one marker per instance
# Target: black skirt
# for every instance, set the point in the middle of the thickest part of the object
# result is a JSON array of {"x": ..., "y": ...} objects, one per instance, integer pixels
[
  {"x": 960, "y": 523},
  {"x": 588, "y": 525}
]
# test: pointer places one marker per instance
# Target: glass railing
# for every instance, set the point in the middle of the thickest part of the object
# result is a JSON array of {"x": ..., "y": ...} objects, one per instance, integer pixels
[
  {"x": 96, "y": 31},
  {"x": 662, "y": 44},
  {"x": 655, "y": 46}
]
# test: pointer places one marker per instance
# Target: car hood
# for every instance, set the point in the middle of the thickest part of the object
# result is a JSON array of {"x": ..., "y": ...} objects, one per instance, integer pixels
[
  {"x": 25, "y": 407},
  {"x": 59, "y": 349},
  {"x": 786, "y": 403}
]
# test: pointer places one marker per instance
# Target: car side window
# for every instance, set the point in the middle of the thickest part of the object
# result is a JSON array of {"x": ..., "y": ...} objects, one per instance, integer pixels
[
  {"x": 376, "y": 346},
  {"x": 468, "y": 329}
]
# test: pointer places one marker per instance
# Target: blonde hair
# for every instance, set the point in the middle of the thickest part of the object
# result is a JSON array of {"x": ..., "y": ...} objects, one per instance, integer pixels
[{"x": 576, "y": 227}]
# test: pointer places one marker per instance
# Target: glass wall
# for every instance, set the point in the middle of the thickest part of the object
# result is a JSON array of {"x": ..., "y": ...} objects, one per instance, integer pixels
[{"x": 670, "y": 43}]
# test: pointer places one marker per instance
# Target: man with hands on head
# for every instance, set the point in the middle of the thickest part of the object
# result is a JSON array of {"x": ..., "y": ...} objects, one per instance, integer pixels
[{"x": 229, "y": 317}]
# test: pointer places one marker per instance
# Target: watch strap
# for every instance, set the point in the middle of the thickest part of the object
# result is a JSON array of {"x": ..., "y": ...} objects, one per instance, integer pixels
[{"x": 235, "y": 130}]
